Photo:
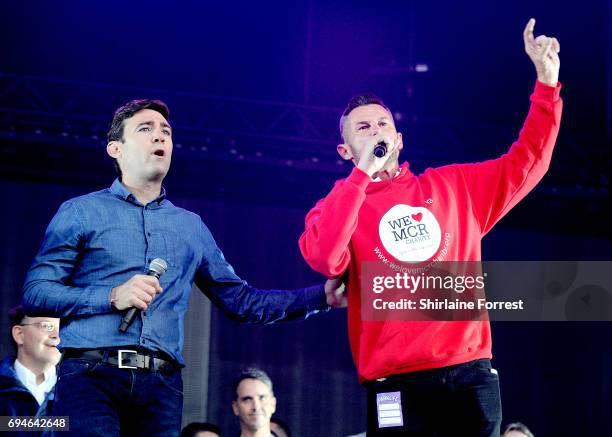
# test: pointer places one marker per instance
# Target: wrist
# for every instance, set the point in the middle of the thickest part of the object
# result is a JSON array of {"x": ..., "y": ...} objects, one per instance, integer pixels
[
  {"x": 113, "y": 297},
  {"x": 549, "y": 79},
  {"x": 367, "y": 170}
]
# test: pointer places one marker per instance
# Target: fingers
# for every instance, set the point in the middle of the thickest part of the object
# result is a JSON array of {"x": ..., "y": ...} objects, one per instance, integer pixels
[
  {"x": 151, "y": 281},
  {"x": 547, "y": 47},
  {"x": 140, "y": 304},
  {"x": 137, "y": 292},
  {"x": 535, "y": 44},
  {"x": 541, "y": 40},
  {"x": 528, "y": 32}
]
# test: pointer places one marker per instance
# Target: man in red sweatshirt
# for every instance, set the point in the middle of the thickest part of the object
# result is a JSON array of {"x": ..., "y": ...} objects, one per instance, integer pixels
[{"x": 425, "y": 377}]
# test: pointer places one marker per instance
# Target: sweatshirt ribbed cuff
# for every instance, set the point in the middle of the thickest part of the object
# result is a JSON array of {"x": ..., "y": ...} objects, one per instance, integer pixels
[
  {"x": 360, "y": 178},
  {"x": 547, "y": 92}
]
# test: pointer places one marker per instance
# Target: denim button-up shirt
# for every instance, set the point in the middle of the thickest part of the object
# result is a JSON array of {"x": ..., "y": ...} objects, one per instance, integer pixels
[{"x": 99, "y": 241}]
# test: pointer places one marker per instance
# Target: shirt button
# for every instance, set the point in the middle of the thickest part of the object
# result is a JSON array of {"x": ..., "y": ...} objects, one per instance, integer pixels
[{"x": 149, "y": 234}]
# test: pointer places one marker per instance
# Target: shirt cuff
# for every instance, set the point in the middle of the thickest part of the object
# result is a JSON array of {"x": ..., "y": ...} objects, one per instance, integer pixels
[
  {"x": 314, "y": 299},
  {"x": 99, "y": 300},
  {"x": 547, "y": 92},
  {"x": 360, "y": 178}
]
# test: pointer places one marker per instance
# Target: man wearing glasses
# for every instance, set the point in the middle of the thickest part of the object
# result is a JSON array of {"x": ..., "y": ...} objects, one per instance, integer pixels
[{"x": 27, "y": 380}]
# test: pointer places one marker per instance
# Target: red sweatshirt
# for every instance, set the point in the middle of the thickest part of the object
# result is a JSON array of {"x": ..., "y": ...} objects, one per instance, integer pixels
[{"x": 456, "y": 205}]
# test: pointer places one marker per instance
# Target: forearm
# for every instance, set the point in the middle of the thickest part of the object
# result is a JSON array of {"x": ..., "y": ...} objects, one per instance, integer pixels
[
  {"x": 541, "y": 126},
  {"x": 331, "y": 224},
  {"x": 52, "y": 298},
  {"x": 248, "y": 304}
]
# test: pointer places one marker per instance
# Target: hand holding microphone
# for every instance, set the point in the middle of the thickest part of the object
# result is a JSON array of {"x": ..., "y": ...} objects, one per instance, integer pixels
[
  {"x": 138, "y": 292},
  {"x": 380, "y": 149},
  {"x": 375, "y": 156}
]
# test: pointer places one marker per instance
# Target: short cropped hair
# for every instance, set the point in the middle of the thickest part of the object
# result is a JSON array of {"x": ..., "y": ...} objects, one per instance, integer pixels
[
  {"x": 252, "y": 373},
  {"x": 195, "y": 427},
  {"x": 16, "y": 316},
  {"x": 115, "y": 132},
  {"x": 518, "y": 426},
  {"x": 357, "y": 101}
]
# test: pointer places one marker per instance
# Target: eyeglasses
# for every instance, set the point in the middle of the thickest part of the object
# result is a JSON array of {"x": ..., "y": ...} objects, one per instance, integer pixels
[{"x": 47, "y": 326}]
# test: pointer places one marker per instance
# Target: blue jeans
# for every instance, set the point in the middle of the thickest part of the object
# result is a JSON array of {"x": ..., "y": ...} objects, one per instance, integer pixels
[
  {"x": 459, "y": 400},
  {"x": 103, "y": 400}
]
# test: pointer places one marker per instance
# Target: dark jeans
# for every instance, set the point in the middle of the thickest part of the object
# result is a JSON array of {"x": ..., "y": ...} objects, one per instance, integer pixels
[
  {"x": 460, "y": 400},
  {"x": 103, "y": 400}
]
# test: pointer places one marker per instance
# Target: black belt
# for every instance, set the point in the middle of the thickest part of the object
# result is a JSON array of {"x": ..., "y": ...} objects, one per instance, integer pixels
[{"x": 124, "y": 359}]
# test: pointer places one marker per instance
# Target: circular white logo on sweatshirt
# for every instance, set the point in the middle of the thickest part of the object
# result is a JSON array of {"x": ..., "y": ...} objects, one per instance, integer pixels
[{"x": 410, "y": 234}]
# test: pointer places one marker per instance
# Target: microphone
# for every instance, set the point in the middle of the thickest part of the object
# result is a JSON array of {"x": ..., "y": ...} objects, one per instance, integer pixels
[
  {"x": 157, "y": 267},
  {"x": 380, "y": 150}
]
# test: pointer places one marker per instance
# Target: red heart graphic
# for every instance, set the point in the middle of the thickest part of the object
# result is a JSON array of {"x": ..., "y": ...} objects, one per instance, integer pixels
[{"x": 417, "y": 217}]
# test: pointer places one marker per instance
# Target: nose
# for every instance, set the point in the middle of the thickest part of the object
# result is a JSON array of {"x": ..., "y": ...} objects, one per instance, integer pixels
[{"x": 158, "y": 136}]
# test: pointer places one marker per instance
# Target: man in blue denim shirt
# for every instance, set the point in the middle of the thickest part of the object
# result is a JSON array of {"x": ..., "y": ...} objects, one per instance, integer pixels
[{"x": 91, "y": 268}]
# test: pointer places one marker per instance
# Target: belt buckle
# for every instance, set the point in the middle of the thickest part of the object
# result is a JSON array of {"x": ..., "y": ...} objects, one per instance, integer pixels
[{"x": 120, "y": 353}]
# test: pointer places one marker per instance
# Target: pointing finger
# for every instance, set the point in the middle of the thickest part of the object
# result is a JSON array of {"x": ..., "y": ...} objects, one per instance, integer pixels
[{"x": 528, "y": 32}]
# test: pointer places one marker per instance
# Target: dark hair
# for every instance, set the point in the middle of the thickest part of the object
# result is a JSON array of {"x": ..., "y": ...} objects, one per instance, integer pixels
[
  {"x": 518, "y": 426},
  {"x": 252, "y": 373},
  {"x": 195, "y": 427},
  {"x": 281, "y": 424},
  {"x": 16, "y": 316},
  {"x": 115, "y": 132},
  {"x": 360, "y": 100}
]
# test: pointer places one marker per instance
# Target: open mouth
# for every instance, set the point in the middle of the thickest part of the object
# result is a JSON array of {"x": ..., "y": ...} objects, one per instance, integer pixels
[{"x": 159, "y": 152}]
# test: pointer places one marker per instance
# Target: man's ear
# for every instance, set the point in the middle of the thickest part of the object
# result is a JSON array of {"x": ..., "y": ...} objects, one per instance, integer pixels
[
  {"x": 344, "y": 151},
  {"x": 273, "y": 402},
  {"x": 401, "y": 141},
  {"x": 17, "y": 333},
  {"x": 235, "y": 408},
  {"x": 113, "y": 149}
]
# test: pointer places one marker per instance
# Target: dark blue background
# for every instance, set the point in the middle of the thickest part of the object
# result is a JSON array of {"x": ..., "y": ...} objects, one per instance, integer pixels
[{"x": 469, "y": 105}]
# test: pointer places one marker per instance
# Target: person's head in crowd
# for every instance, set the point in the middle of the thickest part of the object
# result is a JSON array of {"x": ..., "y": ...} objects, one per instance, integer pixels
[
  {"x": 254, "y": 402},
  {"x": 140, "y": 141},
  {"x": 35, "y": 340},
  {"x": 517, "y": 429},
  {"x": 201, "y": 429},
  {"x": 279, "y": 427}
]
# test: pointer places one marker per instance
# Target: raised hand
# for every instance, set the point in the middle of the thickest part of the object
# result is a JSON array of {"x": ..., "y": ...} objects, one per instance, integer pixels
[{"x": 544, "y": 53}]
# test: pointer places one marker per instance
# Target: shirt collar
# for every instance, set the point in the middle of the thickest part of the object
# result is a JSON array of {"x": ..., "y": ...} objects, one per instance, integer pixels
[
  {"x": 118, "y": 189},
  {"x": 397, "y": 173},
  {"x": 28, "y": 378}
]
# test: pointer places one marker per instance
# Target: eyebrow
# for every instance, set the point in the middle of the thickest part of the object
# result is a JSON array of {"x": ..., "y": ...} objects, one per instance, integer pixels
[
  {"x": 151, "y": 123},
  {"x": 384, "y": 117}
]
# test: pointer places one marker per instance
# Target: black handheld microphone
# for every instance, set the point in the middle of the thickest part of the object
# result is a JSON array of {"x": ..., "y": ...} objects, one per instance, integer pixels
[
  {"x": 157, "y": 267},
  {"x": 380, "y": 150}
]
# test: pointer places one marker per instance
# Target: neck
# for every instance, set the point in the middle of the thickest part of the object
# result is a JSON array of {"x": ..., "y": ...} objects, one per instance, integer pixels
[
  {"x": 261, "y": 432},
  {"x": 145, "y": 192},
  {"x": 36, "y": 368},
  {"x": 388, "y": 172}
]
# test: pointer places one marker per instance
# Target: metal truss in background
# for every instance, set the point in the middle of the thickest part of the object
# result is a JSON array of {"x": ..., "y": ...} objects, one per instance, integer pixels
[{"x": 73, "y": 116}]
